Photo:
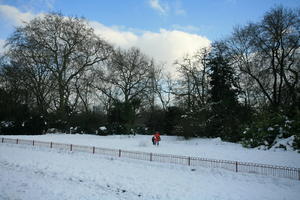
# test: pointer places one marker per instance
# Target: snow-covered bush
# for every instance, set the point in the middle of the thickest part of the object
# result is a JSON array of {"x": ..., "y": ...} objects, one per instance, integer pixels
[
  {"x": 267, "y": 128},
  {"x": 296, "y": 129},
  {"x": 53, "y": 130},
  {"x": 7, "y": 127},
  {"x": 296, "y": 143},
  {"x": 102, "y": 130},
  {"x": 76, "y": 130}
]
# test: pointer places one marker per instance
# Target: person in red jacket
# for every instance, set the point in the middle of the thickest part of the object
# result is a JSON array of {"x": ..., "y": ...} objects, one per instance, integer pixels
[{"x": 157, "y": 138}]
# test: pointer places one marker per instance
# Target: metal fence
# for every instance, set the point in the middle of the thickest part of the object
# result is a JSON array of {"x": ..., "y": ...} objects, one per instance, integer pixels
[{"x": 268, "y": 170}]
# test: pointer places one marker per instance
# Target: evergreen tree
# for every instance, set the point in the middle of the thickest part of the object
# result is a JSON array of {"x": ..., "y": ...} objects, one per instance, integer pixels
[{"x": 225, "y": 108}]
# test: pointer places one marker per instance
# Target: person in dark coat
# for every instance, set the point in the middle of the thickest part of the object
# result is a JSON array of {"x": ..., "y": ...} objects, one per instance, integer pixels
[{"x": 153, "y": 140}]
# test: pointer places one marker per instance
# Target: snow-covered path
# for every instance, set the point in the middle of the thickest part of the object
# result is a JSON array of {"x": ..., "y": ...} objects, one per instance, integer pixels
[
  {"x": 40, "y": 173},
  {"x": 204, "y": 148}
]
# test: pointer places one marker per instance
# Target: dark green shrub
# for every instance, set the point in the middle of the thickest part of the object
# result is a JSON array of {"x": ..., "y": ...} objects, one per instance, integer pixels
[{"x": 268, "y": 126}]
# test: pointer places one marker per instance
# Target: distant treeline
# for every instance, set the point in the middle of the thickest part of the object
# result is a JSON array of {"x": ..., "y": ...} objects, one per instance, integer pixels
[{"x": 57, "y": 73}]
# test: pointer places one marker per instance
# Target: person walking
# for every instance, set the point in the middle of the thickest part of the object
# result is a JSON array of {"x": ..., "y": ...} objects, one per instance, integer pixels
[
  {"x": 153, "y": 139},
  {"x": 157, "y": 138}
]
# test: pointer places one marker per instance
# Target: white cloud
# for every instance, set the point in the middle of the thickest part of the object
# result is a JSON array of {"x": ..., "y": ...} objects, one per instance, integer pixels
[
  {"x": 178, "y": 8},
  {"x": 14, "y": 16},
  {"x": 156, "y": 5},
  {"x": 168, "y": 45},
  {"x": 123, "y": 39},
  {"x": 164, "y": 8},
  {"x": 164, "y": 46},
  {"x": 187, "y": 28}
]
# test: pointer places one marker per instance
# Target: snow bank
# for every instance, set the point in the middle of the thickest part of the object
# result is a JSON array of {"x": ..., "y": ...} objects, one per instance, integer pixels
[{"x": 28, "y": 172}]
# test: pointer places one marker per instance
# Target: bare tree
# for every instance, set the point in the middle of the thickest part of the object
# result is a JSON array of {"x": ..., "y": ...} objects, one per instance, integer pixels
[
  {"x": 64, "y": 47},
  {"x": 34, "y": 79},
  {"x": 11, "y": 81},
  {"x": 268, "y": 52},
  {"x": 164, "y": 88},
  {"x": 127, "y": 76},
  {"x": 193, "y": 85}
]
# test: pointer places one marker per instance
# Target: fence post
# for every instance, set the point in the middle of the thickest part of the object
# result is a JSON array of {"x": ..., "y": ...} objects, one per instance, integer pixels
[
  {"x": 189, "y": 161},
  {"x": 17, "y": 141},
  {"x": 32, "y": 142},
  {"x": 71, "y": 147},
  {"x": 2, "y": 140},
  {"x": 150, "y": 156},
  {"x": 93, "y": 150},
  {"x": 236, "y": 166},
  {"x": 119, "y": 152},
  {"x": 299, "y": 174},
  {"x": 51, "y": 145}
]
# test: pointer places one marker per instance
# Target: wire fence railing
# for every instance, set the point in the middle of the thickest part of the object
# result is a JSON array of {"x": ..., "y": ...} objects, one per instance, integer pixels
[{"x": 235, "y": 166}]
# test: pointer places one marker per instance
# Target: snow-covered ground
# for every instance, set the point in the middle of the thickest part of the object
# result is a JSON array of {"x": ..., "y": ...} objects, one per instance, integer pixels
[
  {"x": 28, "y": 172},
  {"x": 205, "y": 148}
]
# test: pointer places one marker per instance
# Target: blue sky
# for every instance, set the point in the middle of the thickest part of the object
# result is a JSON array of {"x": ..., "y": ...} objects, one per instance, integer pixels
[
  {"x": 149, "y": 24},
  {"x": 213, "y": 19}
]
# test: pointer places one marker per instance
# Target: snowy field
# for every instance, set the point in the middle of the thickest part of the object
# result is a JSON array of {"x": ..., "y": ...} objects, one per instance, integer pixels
[
  {"x": 204, "y": 148},
  {"x": 29, "y": 173}
]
